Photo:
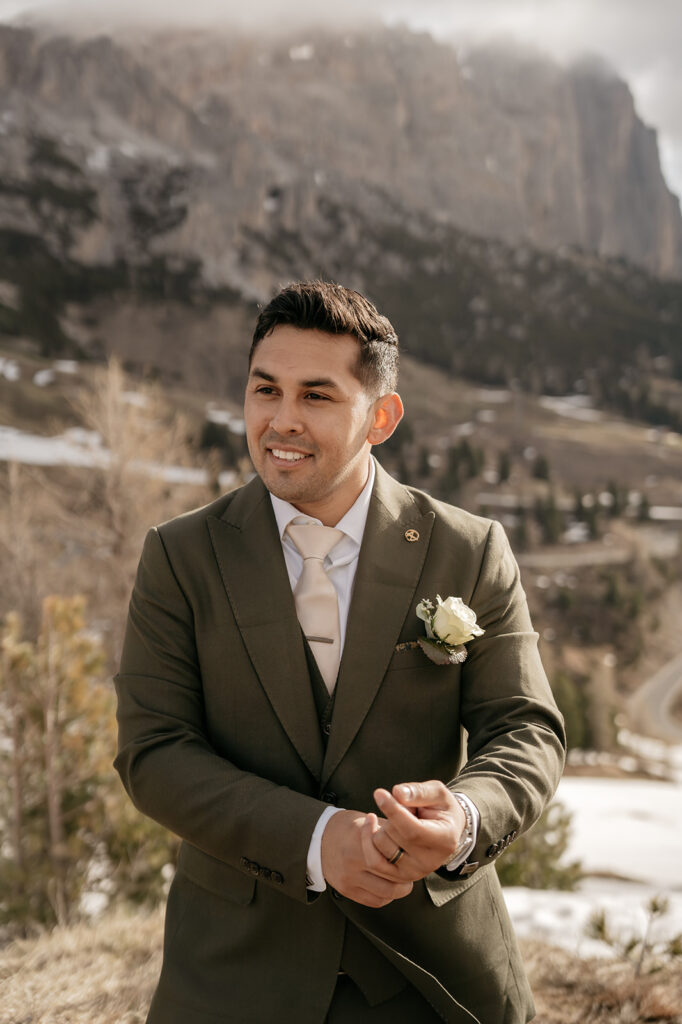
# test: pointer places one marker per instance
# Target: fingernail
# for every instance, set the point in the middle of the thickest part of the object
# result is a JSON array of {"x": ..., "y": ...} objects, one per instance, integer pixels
[
  {"x": 380, "y": 799},
  {"x": 406, "y": 792}
]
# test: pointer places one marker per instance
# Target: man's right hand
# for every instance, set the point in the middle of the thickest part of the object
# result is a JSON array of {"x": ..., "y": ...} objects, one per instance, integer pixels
[{"x": 344, "y": 866}]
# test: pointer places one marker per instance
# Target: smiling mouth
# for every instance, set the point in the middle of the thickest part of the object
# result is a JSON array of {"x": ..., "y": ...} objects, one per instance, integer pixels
[{"x": 285, "y": 456}]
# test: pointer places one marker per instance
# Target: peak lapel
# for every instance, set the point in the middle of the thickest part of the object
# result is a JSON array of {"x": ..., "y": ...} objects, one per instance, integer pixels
[
  {"x": 249, "y": 554},
  {"x": 388, "y": 571}
]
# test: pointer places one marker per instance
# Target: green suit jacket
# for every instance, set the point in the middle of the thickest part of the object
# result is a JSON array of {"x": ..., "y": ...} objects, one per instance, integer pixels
[{"x": 219, "y": 740}]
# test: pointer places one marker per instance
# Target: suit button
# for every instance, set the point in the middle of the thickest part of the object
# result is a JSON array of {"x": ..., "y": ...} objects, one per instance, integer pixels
[
  {"x": 327, "y": 729},
  {"x": 277, "y": 878},
  {"x": 264, "y": 873},
  {"x": 514, "y": 834},
  {"x": 244, "y": 862},
  {"x": 329, "y": 798},
  {"x": 253, "y": 867}
]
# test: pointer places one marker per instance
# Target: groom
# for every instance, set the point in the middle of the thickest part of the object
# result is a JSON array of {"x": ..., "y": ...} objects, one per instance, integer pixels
[{"x": 273, "y": 697}]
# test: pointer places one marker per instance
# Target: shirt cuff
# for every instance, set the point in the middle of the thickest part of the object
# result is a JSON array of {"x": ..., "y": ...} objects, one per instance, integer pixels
[
  {"x": 314, "y": 878},
  {"x": 476, "y": 821}
]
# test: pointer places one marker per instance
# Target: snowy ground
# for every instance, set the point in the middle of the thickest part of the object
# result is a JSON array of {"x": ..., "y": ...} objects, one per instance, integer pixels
[
  {"x": 630, "y": 829},
  {"x": 79, "y": 447}
]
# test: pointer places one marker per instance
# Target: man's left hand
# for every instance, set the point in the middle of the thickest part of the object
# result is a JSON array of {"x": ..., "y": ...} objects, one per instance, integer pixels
[{"x": 421, "y": 818}]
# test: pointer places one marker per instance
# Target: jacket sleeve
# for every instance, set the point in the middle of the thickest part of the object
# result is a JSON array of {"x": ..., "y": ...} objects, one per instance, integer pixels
[
  {"x": 165, "y": 759},
  {"x": 516, "y": 741}
]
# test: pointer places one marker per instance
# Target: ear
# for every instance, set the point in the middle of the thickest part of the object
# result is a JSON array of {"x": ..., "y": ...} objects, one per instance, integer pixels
[{"x": 388, "y": 412}]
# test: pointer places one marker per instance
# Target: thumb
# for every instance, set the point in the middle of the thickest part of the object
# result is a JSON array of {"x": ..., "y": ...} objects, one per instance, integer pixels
[{"x": 422, "y": 794}]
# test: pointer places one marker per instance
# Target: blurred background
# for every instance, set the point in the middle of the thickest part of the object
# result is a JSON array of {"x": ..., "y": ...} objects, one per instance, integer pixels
[{"x": 501, "y": 178}]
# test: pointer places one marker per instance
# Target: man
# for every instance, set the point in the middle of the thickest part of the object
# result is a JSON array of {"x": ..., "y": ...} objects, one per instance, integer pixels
[{"x": 273, "y": 695}]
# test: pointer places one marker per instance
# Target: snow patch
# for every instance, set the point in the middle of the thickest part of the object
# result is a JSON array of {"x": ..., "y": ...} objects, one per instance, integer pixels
[
  {"x": 235, "y": 424},
  {"x": 42, "y": 378},
  {"x": 304, "y": 52},
  {"x": 9, "y": 369},
  {"x": 65, "y": 366},
  {"x": 561, "y": 918},
  {"x": 575, "y": 407}
]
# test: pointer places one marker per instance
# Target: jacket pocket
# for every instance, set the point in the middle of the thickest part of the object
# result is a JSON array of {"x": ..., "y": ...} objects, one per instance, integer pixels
[{"x": 213, "y": 875}]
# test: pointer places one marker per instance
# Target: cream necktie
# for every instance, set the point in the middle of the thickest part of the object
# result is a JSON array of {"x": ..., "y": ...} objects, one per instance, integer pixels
[{"x": 315, "y": 598}]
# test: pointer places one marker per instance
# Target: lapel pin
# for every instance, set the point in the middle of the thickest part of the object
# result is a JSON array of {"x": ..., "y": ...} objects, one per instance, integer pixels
[{"x": 411, "y": 535}]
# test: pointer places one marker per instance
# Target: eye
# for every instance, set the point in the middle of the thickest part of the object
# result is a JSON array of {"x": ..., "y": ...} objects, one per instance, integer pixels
[
  {"x": 265, "y": 389},
  {"x": 317, "y": 396}
]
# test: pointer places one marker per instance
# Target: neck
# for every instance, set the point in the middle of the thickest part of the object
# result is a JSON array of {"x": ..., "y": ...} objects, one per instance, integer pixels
[{"x": 331, "y": 510}]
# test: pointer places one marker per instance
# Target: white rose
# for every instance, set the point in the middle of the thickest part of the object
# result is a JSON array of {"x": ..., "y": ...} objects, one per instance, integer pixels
[{"x": 454, "y": 622}]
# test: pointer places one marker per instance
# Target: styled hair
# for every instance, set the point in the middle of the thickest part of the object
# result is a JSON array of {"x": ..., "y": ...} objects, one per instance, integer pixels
[{"x": 333, "y": 309}]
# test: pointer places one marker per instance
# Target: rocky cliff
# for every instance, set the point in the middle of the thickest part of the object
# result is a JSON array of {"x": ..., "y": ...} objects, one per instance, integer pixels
[
  {"x": 504, "y": 146},
  {"x": 153, "y": 189}
]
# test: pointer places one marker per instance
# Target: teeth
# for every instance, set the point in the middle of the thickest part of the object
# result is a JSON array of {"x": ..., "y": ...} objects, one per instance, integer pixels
[{"x": 289, "y": 456}]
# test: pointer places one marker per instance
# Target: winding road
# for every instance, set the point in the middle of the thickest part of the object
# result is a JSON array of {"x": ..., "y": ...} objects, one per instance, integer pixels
[{"x": 651, "y": 706}]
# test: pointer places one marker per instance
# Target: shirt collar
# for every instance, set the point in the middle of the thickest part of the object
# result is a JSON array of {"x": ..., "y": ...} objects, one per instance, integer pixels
[{"x": 352, "y": 523}]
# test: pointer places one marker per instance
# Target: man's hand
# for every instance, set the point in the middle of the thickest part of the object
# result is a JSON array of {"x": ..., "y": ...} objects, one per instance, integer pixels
[
  {"x": 345, "y": 868},
  {"x": 423, "y": 819}
]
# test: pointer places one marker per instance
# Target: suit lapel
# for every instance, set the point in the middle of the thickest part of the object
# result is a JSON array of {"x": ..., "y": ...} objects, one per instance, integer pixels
[
  {"x": 388, "y": 571},
  {"x": 249, "y": 554}
]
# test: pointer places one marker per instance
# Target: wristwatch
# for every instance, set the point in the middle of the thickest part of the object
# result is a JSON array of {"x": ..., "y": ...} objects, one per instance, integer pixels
[{"x": 466, "y": 840}]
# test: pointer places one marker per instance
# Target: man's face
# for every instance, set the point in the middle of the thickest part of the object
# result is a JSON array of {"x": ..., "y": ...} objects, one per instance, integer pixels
[{"x": 307, "y": 420}]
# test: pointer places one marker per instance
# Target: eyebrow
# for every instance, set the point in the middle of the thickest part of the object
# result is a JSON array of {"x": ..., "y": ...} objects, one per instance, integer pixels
[{"x": 321, "y": 382}]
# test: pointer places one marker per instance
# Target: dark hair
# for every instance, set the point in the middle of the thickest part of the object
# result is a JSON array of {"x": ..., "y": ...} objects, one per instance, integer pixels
[{"x": 333, "y": 309}]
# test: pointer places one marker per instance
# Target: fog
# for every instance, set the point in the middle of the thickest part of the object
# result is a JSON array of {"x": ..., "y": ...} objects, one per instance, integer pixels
[
  {"x": 642, "y": 41},
  {"x": 261, "y": 14}
]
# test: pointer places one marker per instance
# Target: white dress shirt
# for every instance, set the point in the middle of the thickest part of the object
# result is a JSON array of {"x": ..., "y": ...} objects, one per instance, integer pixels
[{"x": 341, "y": 565}]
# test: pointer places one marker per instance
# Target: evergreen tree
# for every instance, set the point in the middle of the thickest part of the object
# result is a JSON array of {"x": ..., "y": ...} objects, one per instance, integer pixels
[
  {"x": 71, "y": 827},
  {"x": 503, "y": 467},
  {"x": 535, "y": 858},
  {"x": 540, "y": 469}
]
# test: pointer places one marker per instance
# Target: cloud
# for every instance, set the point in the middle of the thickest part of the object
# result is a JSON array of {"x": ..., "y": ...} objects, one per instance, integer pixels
[
  {"x": 264, "y": 15},
  {"x": 642, "y": 41}
]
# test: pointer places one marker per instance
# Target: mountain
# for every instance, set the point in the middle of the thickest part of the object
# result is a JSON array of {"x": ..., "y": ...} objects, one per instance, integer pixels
[
  {"x": 503, "y": 144},
  {"x": 154, "y": 188}
]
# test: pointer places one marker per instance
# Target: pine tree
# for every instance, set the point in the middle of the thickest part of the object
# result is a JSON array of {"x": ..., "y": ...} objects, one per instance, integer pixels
[
  {"x": 535, "y": 858},
  {"x": 71, "y": 827}
]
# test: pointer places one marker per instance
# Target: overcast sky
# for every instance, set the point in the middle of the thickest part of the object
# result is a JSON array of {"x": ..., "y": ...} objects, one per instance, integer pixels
[{"x": 642, "y": 40}]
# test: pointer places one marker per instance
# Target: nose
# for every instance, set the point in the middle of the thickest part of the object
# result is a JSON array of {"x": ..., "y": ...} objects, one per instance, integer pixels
[{"x": 285, "y": 418}]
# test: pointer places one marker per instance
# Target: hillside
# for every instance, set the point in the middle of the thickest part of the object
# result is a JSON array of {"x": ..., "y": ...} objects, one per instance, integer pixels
[{"x": 153, "y": 190}]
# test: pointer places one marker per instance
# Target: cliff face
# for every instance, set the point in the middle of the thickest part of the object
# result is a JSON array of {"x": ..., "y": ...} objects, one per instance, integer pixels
[
  {"x": 505, "y": 147},
  {"x": 153, "y": 190}
]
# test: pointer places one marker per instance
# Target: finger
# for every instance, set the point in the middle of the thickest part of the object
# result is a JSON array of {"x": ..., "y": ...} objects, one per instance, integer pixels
[
  {"x": 375, "y": 859},
  {"x": 423, "y": 794},
  {"x": 401, "y": 825},
  {"x": 386, "y": 849},
  {"x": 382, "y": 887},
  {"x": 370, "y": 899}
]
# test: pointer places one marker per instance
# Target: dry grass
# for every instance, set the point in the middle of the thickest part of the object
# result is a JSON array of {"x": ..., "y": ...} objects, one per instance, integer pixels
[
  {"x": 105, "y": 974},
  {"x": 572, "y": 991}
]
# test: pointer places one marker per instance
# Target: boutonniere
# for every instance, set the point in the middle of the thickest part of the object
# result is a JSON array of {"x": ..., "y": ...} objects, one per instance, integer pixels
[{"x": 450, "y": 624}]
